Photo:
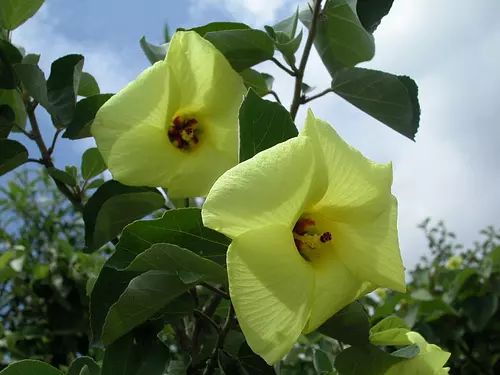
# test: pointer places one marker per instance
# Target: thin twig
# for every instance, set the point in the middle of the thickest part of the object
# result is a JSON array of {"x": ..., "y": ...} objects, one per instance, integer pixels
[
  {"x": 299, "y": 75},
  {"x": 212, "y": 361},
  {"x": 215, "y": 290},
  {"x": 273, "y": 93},
  {"x": 305, "y": 99},
  {"x": 208, "y": 309},
  {"x": 54, "y": 140},
  {"x": 207, "y": 319},
  {"x": 38, "y": 161},
  {"x": 26, "y": 133},
  {"x": 283, "y": 67}
]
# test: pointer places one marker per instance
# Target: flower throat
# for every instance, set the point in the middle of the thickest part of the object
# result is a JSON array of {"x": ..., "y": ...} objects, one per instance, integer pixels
[{"x": 184, "y": 134}]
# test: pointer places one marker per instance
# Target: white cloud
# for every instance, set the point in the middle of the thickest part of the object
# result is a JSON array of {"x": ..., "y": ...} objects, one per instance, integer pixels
[{"x": 450, "y": 172}]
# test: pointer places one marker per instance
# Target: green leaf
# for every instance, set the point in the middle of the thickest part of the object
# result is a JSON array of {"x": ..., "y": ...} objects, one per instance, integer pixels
[
  {"x": 263, "y": 124},
  {"x": 88, "y": 85},
  {"x": 12, "y": 155},
  {"x": 95, "y": 183},
  {"x": 371, "y": 12},
  {"x": 84, "y": 116},
  {"x": 166, "y": 33},
  {"x": 182, "y": 227},
  {"x": 364, "y": 360},
  {"x": 480, "y": 309},
  {"x": 176, "y": 260},
  {"x": 288, "y": 26},
  {"x": 112, "y": 207},
  {"x": 34, "y": 82},
  {"x": 78, "y": 364},
  {"x": 288, "y": 48},
  {"x": 261, "y": 83},
  {"x": 92, "y": 163},
  {"x": 9, "y": 55},
  {"x": 7, "y": 118},
  {"x": 62, "y": 87},
  {"x": 13, "y": 13},
  {"x": 321, "y": 362},
  {"x": 341, "y": 40},
  {"x": 28, "y": 367},
  {"x": 72, "y": 171},
  {"x": 350, "y": 325},
  {"x": 218, "y": 26},
  {"x": 13, "y": 99},
  {"x": 153, "y": 53},
  {"x": 391, "y": 99},
  {"x": 31, "y": 58},
  {"x": 243, "y": 48},
  {"x": 145, "y": 296},
  {"x": 131, "y": 355},
  {"x": 62, "y": 176},
  {"x": 390, "y": 331},
  {"x": 253, "y": 363},
  {"x": 106, "y": 291},
  {"x": 41, "y": 271},
  {"x": 177, "y": 309},
  {"x": 422, "y": 295},
  {"x": 408, "y": 352}
]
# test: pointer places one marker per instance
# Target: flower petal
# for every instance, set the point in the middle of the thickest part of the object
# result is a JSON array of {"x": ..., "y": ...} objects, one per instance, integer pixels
[
  {"x": 273, "y": 187},
  {"x": 270, "y": 286},
  {"x": 357, "y": 186},
  {"x": 149, "y": 100},
  {"x": 144, "y": 156},
  {"x": 334, "y": 288},
  {"x": 209, "y": 84},
  {"x": 199, "y": 171},
  {"x": 371, "y": 249}
]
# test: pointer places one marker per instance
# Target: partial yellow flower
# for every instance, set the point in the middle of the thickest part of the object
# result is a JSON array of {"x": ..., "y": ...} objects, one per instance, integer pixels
[
  {"x": 381, "y": 293},
  {"x": 454, "y": 262},
  {"x": 429, "y": 361},
  {"x": 176, "y": 125},
  {"x": 313, "y": 224}
]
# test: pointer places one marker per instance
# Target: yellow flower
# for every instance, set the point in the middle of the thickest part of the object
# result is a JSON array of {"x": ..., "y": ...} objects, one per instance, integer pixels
[
  {"x": 429, "y": 361},
  {"x": 454, "y": 262},
  {"x": 176, "y": 125},
  {"x": 313, "y": 224}
]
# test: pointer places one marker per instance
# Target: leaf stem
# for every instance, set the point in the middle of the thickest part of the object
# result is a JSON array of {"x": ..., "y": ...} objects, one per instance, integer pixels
[
  {"x": 26, "y": 133},
  {"x": 299, "y": 74},
  {"x": 215, "y": 290},
  {"x": 54, "y": 140},
  {"x": 305, "y": 99},
  {"x": 273, "y": 93},
  {"x": 212, "y": 361},
  {"x": 208, "y": 319},
  {"x": 283, "y": 67}
]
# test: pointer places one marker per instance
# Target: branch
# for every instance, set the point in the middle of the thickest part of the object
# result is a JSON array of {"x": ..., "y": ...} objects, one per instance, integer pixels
[
  {"x": 305, "y": 99},
  {"x": 299, "y": 75},
  {"x": 46, "y": 159},
  {"x": 215, "y": 290},
  {"x": 283, "y": 67},
  {"x": 212, "y": 361},
  {"x": 54, "y": 140}
]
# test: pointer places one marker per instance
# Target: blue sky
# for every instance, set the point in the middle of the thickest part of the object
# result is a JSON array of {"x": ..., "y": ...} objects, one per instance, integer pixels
[{"x": 448, "y": 47}]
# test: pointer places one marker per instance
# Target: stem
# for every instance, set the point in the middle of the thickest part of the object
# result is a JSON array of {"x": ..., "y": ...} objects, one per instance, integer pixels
[
  {"x": 54, "y": 140},
  {"x": 273, "y": 93},
  {"x": 299, "y": 74},
  {"x": 207, "y": 319},
  {"x": 283, "y": 67},
  {"x": 212, "y": 361},
  {"x": 208, "y": 309},
  {"x": 215, "y": 290},
  {"x": 46, "y": 159},
  {"x": 27, "y": 134},
  {"x": 319, "y": 95},
  {"x": 38, "y": 161}
]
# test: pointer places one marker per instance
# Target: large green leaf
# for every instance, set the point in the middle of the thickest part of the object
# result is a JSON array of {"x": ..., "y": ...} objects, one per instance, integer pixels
[
  {"x": 243, "y": 48},
  {"x": 13, "y": 99},
  {"x": 182, "y": 227},
  {"x": 92, "y": 163},
  {"x": 218, "y": 26},
  {"x": 135, "y": 355},
  {"x": 88, "y": 85},
  {"x": 34, "y": 82},
  {"x": 371, "y": 12},
  {"x": 62, "y": 87},
  {"x": 7, "y": 118},
  {"x": 78, "y": 364},
  {"x": 176, "y": 260},
  {"x": 390, "y": 331},
  {"x": 341, "y": 40},
  {"x": 62, "y": 176},
  {"x": 28, "y": 367},
  {"x": 13, "y": 13},
  {"x": 261, "y": 83},
  {"x": 263, "y": 124},
  {"x": 84, "y": 116},
  {"x": 144, "y": 297},
  {"x": 350, "y": 325},
  {"x": 153, "y": 52},
  {"x": 9, "y": 55},
  {"x": 12, "y": 155},
  {"x": 321, "y": 362},
  {"x": 364, "y": 360},
  {"x": 112, "y": 207},
  {"x": 391, "y": 99},
  {"x": 480, "y": 309}
]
